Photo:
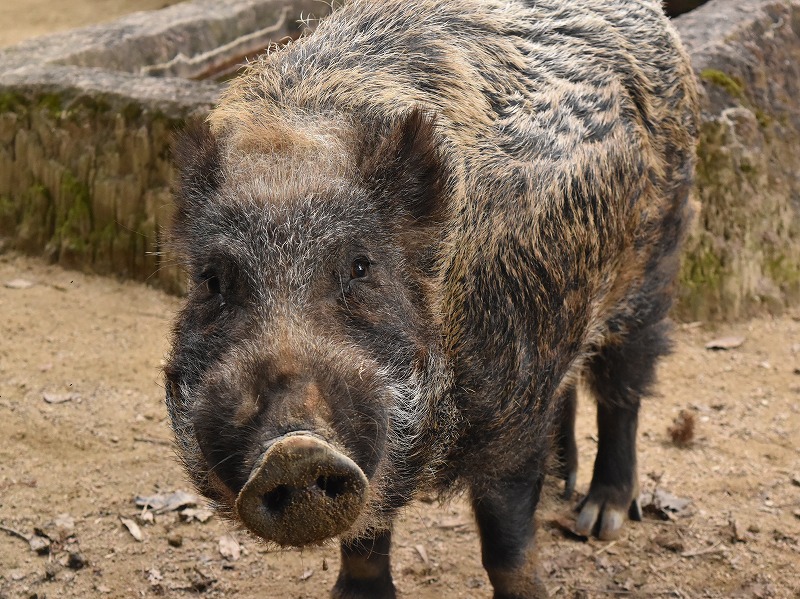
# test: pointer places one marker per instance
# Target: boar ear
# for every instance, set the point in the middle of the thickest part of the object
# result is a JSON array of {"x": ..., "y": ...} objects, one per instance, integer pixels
[
  {"x": 197, "y": 157},
  {"x": 406, "y": 166}
]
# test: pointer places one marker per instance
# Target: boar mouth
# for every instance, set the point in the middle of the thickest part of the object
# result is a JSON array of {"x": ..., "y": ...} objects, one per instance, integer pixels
[{"x": 302, "y": 491}]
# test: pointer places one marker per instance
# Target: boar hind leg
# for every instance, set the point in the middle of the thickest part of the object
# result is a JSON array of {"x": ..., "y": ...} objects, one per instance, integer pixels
[
  {"x": 619, "y": 375},
  {"x": 365, "y": 572},
  {"x": 505, "y": 520},
  {"x": 565, "y": 447}
]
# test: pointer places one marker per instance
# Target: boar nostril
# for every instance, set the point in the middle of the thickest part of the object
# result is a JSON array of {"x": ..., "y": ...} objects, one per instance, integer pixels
[
  {"x": 277, "y": 499},
  {"x": 333, "y": 486},
  {"x": 302, "y": 491}
]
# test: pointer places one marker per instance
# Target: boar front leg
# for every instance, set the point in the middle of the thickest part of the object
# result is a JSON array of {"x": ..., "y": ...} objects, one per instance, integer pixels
[
  {"x": 619, "y": 375},
  {"x": 365, "y": 572},
  {"x": 505, "y": 516}
]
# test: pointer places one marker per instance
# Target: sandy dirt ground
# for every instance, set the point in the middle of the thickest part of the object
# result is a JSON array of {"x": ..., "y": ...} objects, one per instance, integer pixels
[
  {"x": 21, "y": 19},
  {"x": 83, "y": 432}
]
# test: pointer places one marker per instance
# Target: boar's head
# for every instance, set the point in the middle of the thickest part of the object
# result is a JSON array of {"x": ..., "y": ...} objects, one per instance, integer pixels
[{"x": 307, "y": 359}]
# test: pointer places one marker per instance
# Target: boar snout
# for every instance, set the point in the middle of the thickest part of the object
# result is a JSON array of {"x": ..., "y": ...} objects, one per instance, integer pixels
[{"x": 302, "y": 491}]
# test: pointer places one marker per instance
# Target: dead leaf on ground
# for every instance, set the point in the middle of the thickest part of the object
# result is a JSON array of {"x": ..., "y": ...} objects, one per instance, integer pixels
[
  {"x": 55, "y": 398},
  {"x": 167, "y": 502},
  {"x": 566, "y": 525},
  {"x": 307, "y": 574},
  {"x": 154, "y": 576},
  {"x": 663, "y": 505},
  {"x": 229, "y": 548},
  {"x": 132, "y": 527},
  {"x": 669, "y": 541},
  {"x": 682, "y": 430},
  {"x": 63, "y": 527},
  {"x": 724, "y": 343},
  {"x": 40, "y": 544},
  {"x": 19, "y": 284},
  {"x": 451, "y": 523},
  {"x": 423, "y": 554},
  {"x": 738, "y": 533},
  {"x": 200, "y": 514}
]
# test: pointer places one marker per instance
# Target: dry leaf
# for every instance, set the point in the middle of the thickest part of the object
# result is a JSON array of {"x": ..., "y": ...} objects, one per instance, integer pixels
[
  {"x": 154, "y": 576},
  {"x": 132, "y": 527},
  {"x": 63, "y": 527},
  {"x": 19, "y": 284},
  {"x": 725, "y": 343},
  {"x": 229, "y": 548},
  {"x": 663, "y": 505},
  {"x": 59, "y": 397},
  {"x": 423, "y": 554},
  {"x": 39, "y": 544},
  {"x": 199, "y": 514},
  {"x": 669, "y": 541},
  {"x": 307, "y": 574},
  {"x": 682, "y": 430},
  {"x": 167, "y": 502},
  {"x": 567, "y": 527}
]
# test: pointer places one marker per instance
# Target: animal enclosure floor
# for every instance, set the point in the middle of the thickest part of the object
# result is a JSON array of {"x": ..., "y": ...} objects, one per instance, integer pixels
[
  {"x": 21, "y": 19},
  {"x": 84, "y": 431}
]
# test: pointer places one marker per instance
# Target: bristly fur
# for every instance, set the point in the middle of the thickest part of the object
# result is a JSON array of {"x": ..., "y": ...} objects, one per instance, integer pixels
[{"x": 515, "y": 173}]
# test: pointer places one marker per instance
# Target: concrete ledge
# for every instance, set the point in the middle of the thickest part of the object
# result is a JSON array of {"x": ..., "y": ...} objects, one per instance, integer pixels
[{"x": 85, "y": 172}]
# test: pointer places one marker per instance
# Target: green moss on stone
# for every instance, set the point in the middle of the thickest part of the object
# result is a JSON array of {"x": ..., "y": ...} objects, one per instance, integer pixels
[
  {"x": 12, "y": 102},
  {"x": 51, "y": 103},
  {"x": 732, "y": 85},
  {"x": 132, "y": 111},
  {"x": 764, "y": 120},
  {"x": 74, "y": 224},
  {"x": 8, "y": 215}
]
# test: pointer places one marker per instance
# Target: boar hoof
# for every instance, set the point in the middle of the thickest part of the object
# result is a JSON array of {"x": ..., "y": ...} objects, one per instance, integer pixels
[
  {"x": 302, "y": 491},
  {"x": 605, "y": 517}
]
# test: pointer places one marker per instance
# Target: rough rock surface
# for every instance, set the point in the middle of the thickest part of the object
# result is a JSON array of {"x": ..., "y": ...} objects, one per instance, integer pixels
[
  {"x": 84, "y": 142},
  {"x": 744, "y": 254},
  {"x": 85, "y": 171}
]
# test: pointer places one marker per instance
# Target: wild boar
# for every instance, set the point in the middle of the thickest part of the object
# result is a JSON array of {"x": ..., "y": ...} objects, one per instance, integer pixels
[{"x": 409, "y": 235}]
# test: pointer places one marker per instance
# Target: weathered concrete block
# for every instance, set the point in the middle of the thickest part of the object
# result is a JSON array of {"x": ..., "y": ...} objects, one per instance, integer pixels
[
  {"x": 85, "y": 127},
  {"x": 86, "y": 119}
]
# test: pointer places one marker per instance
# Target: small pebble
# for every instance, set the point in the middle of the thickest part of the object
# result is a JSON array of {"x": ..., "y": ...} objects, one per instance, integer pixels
[{"x": 174, "y": 540}]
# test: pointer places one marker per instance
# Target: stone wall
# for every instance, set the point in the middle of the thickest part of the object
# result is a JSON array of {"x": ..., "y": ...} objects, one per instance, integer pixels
[
  {"x": 85, "y": 171},
  {"x": 744, "y": 254}
]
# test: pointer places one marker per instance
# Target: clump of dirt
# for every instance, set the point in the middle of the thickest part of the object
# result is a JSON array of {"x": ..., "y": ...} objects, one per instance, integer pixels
[{"x": 86, "y": 454}]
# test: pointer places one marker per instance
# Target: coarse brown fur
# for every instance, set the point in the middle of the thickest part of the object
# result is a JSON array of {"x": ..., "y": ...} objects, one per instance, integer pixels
[{"x": 516, "y": 174}]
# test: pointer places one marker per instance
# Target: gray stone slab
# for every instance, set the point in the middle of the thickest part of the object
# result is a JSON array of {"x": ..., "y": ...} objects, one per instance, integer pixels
[{"x": 86, "y": 118}]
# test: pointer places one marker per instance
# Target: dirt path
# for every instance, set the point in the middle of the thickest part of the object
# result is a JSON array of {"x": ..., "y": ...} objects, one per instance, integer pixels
[
  {"x": 21, "y": 19},
  {"x": 70, "y": 467},
  {"x": 93, "y": 346}
]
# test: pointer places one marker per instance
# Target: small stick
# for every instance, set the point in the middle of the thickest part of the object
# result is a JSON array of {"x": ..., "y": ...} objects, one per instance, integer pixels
[
  {"x": 15, "y": 533},
  {"x": 606, "y": 547},
  {"x": 706, "y": 551}
]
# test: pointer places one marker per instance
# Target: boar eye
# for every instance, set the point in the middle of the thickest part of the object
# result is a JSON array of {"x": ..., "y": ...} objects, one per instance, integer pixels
[
  {"x": 210, "y": 283},
  {"x": 359, "y": 269}
]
